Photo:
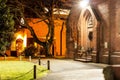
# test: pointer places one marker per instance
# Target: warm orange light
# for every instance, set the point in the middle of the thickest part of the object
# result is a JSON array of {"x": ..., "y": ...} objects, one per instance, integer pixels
[
  {"x": 25, "y": 40},
  {"x": 35, "y": 44},
  {"x": 19, "y": 37}
]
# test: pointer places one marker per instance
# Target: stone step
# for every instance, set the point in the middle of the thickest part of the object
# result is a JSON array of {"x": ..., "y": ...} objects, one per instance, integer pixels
[
  {"x": 83, "y": 59},
  {"x": 117, "y": 53}
]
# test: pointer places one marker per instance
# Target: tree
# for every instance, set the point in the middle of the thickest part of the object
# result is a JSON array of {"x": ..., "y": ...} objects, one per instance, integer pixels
[
  {"x": 6, "y": 26},
  {"x": 42, "y": 9}
]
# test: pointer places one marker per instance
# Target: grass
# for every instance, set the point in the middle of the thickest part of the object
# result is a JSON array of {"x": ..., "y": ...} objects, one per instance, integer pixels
[{"x": 19, "y": 70}]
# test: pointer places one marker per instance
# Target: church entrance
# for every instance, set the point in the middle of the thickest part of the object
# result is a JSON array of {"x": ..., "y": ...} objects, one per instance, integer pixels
[{"x": 87, "y": 36}]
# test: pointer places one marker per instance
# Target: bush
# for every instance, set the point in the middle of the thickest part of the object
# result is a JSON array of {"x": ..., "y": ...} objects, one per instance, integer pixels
[
  {"x": 108, "y": 73},
  {"x": 30, "y": 51}
]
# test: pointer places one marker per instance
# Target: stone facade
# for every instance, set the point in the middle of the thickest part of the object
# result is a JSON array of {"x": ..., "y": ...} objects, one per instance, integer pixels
[{"x": 105, "y": 28}]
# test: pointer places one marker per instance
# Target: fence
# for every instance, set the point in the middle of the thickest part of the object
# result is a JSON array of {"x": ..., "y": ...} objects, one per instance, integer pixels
[
  {"x": 48, "y": 63},
  {"x": 31, "y": 74}
]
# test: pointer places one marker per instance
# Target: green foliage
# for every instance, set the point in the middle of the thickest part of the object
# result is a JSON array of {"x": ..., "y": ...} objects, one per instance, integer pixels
[
  {"x": 108, "y": 73},
  {"x": 6, "y": 26},
  {"x": 42, "y": 9}
]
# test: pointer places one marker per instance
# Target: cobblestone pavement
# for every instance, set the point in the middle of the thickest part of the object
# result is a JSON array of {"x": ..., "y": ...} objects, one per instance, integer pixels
[{"x": 73, "y": 70}]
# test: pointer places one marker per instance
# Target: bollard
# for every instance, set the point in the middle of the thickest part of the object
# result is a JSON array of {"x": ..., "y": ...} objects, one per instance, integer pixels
[
  {"x": 34, "y": 73},
  {"x": 30, "y": 58},
  {"x": 5, "y": 57},
  {"x": 39, "y": 61},
  {"x": 48, "y": 64},
  {"x": 20, "y": 58}
]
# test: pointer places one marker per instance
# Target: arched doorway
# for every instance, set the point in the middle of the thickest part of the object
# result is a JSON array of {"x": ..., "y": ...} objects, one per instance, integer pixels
[
  {"x": 88, "y": 35},
  {"x": 87, "y": 30},
  {"x": 19, "y": 46}
]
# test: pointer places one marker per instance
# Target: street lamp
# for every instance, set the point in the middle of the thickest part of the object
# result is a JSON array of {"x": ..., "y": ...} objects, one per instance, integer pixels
[
  {"x": 22, "y": 21},
  {"x": 84, "y": 3}
]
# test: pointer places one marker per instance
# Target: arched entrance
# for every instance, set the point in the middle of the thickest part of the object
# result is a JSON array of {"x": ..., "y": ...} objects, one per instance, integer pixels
[
  {"x": 88, "y": 35},
  {"x": 87, "y": 30},
  {"x": 19, "y": 46}
]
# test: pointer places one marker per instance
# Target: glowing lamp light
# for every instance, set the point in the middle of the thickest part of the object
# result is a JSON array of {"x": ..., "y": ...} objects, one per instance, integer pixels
[
  {"x": 22, "y": 21},
  {"x": 84, "y": 3},
  {"x": 19, "y": 36},
  {"x": 25, "y": 40}
]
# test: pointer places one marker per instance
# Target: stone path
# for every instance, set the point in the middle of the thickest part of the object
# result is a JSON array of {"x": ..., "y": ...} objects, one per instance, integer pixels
[{"x": 73, "y": 70}]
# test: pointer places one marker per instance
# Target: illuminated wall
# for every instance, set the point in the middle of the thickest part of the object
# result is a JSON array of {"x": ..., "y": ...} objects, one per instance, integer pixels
[{"x": 41, "y": 31}]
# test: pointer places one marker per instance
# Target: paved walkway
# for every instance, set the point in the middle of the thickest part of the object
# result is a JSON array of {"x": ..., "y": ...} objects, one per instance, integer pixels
[{"x": 73, "y": 70}]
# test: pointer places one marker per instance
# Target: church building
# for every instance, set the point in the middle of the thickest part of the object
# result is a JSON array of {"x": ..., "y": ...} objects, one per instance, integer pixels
[{"x": 93, "y": 31}]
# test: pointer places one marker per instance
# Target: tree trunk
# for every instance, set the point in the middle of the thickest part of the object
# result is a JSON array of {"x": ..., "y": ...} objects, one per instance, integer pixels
[{"x": 47, "y": 50}]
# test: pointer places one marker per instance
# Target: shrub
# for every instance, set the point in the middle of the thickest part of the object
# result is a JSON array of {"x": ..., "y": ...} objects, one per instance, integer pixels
[{"x": 30, "y": 51}]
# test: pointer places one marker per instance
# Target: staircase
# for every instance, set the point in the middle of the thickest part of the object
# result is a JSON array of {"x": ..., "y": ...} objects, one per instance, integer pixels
[{"x": 83, "y": 56}]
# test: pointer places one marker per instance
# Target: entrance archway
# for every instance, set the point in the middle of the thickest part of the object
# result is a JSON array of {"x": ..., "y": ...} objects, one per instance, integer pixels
[
  {"x": 88, "y": 36},
  {"x": 86, "y": 30}
]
